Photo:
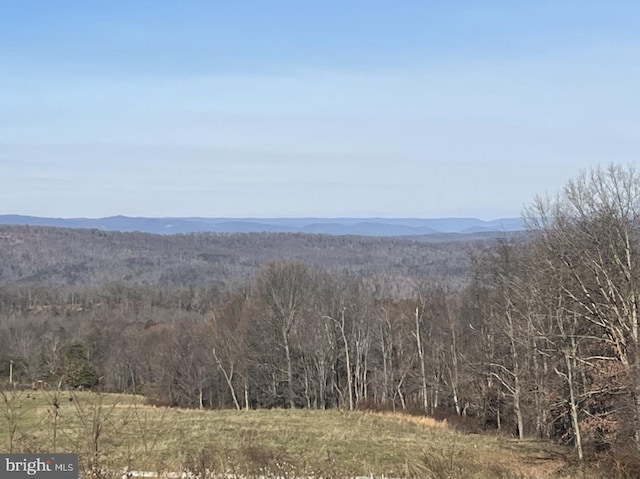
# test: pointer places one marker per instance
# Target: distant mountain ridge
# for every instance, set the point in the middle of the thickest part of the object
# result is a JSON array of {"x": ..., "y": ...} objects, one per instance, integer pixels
[{"x": 331, "y": 226}]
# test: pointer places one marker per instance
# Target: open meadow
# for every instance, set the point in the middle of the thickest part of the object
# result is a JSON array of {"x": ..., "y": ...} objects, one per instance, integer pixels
[{"x": 112, "y": 432}]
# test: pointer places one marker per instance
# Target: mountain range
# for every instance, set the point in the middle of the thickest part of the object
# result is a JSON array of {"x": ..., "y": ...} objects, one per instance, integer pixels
[{"x": 331, "y": 226}]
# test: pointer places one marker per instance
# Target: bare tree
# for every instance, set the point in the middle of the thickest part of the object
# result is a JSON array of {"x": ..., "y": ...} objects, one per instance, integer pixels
[
  {"x": 592, "y": 233},
  {"x": 419, "y": 318},
  {"x": 282, "y": 288},
  {"x": 230, "y": 327}
]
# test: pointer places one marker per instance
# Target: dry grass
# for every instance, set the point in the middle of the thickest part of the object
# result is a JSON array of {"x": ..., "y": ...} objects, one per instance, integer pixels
[
  {"x": 330, "y": 443},
  {"x": 421, "y": 420}
]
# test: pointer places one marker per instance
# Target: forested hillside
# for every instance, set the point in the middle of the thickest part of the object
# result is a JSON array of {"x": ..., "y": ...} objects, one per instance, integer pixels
[
  {"x": 536, "y": 336},
  {"x": 34, "y": 255},
  {"x": 100, "y": 296}
]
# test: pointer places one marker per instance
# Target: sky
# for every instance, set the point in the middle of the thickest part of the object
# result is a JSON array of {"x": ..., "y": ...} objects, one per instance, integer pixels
[{"x": 325, "y": 108}]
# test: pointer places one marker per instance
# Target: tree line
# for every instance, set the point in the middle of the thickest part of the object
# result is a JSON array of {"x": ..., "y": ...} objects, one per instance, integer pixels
[{"x": 541, "y": 340}]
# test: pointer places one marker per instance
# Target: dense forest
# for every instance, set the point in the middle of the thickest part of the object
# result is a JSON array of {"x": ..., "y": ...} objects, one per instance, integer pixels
[
  {"x": 59, "y": 257},
  {"x": 536, "y": 335}
]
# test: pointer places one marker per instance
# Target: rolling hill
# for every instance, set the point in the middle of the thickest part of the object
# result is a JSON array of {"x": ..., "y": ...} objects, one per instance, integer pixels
[{"x": 331, "y": 226}]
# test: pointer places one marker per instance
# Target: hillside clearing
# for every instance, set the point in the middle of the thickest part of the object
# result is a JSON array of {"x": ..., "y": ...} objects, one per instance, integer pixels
[{"x": 118, "y": 431}]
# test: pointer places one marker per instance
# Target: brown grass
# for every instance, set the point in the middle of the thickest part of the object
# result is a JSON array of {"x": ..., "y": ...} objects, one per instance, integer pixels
[
  {"x": 330, "y": 443},
  {"x": 425, "y": 421}
]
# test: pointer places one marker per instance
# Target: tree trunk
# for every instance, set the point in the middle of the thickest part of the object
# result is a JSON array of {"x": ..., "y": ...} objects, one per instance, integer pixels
[
  {"x": 574, "y": 407},
  {"x": 517, "y": 392},
  {"x": 228, "y": 377},
  {"x": 423, "y": 372},
  {"x": 287, "y": 351},
  {"x": 347, "y": 359}
]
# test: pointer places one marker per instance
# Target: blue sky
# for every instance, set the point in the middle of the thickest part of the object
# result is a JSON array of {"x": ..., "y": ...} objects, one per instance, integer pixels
[{"x": 310, "y": 108}]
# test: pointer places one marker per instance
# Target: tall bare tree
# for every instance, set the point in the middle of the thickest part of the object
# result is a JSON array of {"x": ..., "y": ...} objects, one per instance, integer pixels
[
  {"x": 282, "y": 288},
  {"x": 591, "y": 231}
]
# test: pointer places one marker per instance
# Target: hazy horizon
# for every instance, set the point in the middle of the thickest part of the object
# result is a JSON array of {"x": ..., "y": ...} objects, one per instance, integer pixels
[
  {"x": 225, "y": 109},
  {"x": 277, "y": 217},
  {"x": 329, "y": 226}
]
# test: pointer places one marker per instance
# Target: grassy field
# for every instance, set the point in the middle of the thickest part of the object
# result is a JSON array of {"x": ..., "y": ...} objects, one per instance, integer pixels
[{"x": 116, "y": 431}]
